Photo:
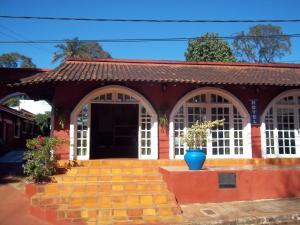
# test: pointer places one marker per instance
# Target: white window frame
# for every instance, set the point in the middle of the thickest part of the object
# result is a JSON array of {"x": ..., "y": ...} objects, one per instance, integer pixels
[
  {"x": 272, "y": 104},
  {"x": 247, "y": 149},
  {"x": 89, "y": 98}
]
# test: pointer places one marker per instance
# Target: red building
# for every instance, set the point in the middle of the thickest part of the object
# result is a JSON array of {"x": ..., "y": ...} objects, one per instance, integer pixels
[
  {"x": 112, "y": 108},
  {"x": 15, "y": 127}
]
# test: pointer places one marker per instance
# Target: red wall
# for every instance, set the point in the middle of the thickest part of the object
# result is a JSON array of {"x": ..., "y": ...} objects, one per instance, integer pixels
[
  {"x": 163, "y": 97},
  {"x": 250, "y": 185}
]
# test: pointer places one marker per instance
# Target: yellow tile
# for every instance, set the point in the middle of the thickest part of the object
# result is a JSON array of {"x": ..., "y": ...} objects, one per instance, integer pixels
[
  {"x": 91, "y": 188},
  {"x": 165, "y": 212},
  {"x": 80, "y": 179},
  {"x": 92, "y": 179},
  {"x": 51, "y": 188},
  {"x": 146, "y": 200},
  {"x": 105, "y": 188},
  {"x": 116, "y": 187},
  {"x": 117, "y": 178},
  {"x": 84, "y": 213},
  {"x": 130, "y": 187},
  {"x": 137, "y": 171},
  {"x": 105, "y": 213},
  {"x": 149, "y": 212},
  {"x": 160, "y": 199},
  {"x": 76, "y": 202},
  {"x": 116, "y": 171},
  {"x": 92, "y": 213},
  {"x": 120, "y": 213},
  {"x": 94, "y": 172},
  {"x": 105, "y": 171},
  {"x": 133, "y": 200},
  {"x": 90, "y": 202},
  {"x": 69, "y": 179}
]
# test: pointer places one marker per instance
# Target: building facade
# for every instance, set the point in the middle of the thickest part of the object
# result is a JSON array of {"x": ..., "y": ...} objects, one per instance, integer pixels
[
  {"x": 110, "y": 108},
  {"x": 15, "y": 128}
]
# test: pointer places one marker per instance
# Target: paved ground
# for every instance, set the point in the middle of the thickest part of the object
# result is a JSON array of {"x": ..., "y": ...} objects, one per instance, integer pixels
[
  {"x": 14, "y": 206},
  {"x": 12, "y": 157},
  {"x": 283, "y": 211}
]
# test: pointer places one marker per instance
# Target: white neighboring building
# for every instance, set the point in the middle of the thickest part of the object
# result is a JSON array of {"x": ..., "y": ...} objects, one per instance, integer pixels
[{"x": 34, "y": 107}]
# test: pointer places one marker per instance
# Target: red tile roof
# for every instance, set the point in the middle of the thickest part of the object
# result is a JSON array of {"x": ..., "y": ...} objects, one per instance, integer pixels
[
  {"x": 170, "y": 71},
  {"x": 22, "y": 113}
]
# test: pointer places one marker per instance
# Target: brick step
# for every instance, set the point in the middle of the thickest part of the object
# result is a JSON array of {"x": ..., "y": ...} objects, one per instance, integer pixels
[
  {"x": 114, "y": 178},
  {"x": 118, "y": 163},
  {"x": 104, "y": 187},
  {"x": 104, "y": 200},
  {"x": 145, "y": 220},
  {"x": 112, "y": 171},
  {"x": 117, "y": 212}
]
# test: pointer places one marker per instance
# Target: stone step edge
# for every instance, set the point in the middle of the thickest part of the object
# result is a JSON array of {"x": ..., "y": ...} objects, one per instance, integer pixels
[
  {"x": 105, "y": 194},
  {"x": 65, "y": 208},
  {"x": 108, "y": 175},
  {"x": 51, "y": 216}
]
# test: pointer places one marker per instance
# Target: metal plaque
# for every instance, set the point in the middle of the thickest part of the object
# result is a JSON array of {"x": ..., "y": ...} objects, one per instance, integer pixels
[{"x": 227, "y": 180}]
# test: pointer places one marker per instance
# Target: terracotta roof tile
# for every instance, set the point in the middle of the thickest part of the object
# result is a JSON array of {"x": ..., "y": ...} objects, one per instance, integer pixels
[{"x": 170, "y": 71}]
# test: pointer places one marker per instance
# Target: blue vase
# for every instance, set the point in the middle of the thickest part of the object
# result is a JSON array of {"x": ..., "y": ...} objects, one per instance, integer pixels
[{"x": 194, "y": 158}]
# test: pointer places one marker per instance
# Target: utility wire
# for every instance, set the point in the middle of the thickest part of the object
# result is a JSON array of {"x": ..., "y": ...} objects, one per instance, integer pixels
[
  {"x": 20, "y": 37},
  {"x": 172, "y": 39},
  {"x": 148, "y": 20}
]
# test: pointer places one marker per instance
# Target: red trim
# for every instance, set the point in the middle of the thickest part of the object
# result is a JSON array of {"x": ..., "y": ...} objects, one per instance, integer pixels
[
  {"x": 26, "y": 69},
  {"x": 144, "y": 61}
]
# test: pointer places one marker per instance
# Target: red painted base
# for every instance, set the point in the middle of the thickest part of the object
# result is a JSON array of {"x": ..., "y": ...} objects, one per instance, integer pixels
[{"x": 251, "y": 184}]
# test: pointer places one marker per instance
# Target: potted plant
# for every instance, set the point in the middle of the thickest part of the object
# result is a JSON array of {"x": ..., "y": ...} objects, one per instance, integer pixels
[{"x": 195, "y": 138}]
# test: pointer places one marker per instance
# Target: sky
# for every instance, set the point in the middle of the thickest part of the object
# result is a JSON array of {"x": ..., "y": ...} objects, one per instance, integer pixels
[{"x": 41, "y": 54}]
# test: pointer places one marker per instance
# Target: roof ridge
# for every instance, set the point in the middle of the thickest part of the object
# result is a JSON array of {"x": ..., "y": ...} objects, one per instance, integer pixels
[{"x": 176, "y": 62}]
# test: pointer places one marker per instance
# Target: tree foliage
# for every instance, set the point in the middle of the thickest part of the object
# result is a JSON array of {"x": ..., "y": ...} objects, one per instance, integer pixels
[
  {"x": 256, "y": 45},
  {"x": 12, "y": 102},
  {"x": 43, "y": 122},
  {"x": 16, "y": 60},
  {"x": 209, "y": 48},
  {"x": 74, "y": 48}
]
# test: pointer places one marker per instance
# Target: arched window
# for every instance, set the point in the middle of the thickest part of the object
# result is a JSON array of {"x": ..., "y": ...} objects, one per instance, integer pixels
[
  {"x": 280, "y": 126},
  {"x": 80, "y": 128},
  {"x": 233, "y": 140}
]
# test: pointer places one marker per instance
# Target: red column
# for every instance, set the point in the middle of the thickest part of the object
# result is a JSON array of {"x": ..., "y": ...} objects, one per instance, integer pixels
[
  {"x": 163, "y": 143},
  {"x": 256, "y": 141}
]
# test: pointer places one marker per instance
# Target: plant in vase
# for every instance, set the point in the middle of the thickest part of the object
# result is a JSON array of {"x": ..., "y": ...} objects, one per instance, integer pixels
[
  {"x": 40, "y": 158},
  {"x": 195, "y": 138}
]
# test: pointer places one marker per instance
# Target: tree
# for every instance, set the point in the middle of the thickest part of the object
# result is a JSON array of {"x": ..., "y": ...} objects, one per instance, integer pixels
[
  {"x": 74, "y": 48},
  {"x": 12, "y": 102},
  {"x": 15, "y": 60},
  {"x": 43, "y": 122},
  {"x": 209, "y": 48},
  {"x": 262, "y": 43}
]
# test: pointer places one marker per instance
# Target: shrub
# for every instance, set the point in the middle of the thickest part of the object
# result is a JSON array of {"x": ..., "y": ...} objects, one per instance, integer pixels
[
  {"x": 40, "y": 158},
  {"x": 196, "y": 135}
]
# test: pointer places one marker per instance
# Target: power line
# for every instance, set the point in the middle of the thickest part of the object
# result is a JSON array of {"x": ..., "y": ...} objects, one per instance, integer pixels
[
  {"x": 19, "y": 37},
  {"x": 147, "y": 20},
  {"x": 171, "y": 39}
]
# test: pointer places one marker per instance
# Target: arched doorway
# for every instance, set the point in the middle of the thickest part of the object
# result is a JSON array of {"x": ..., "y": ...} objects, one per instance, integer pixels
[
  {"x": 233, "y": 140},
  {"x": 280, "y": 126},
  {"x": 113, "y": 119}
]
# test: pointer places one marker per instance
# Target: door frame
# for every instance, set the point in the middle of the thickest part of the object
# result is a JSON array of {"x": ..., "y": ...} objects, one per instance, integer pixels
[{"x": 89, "y": 98}]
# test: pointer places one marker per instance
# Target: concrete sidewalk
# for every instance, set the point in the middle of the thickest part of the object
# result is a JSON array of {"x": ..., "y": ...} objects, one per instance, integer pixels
[
  {"x": 281, "y": 211},
  {"x": 14, "y": 206}
]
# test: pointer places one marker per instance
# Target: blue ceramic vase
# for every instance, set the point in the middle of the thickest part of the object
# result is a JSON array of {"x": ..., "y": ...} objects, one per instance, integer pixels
[{"x": 194, "y": 158}]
